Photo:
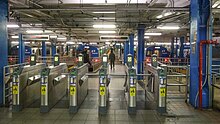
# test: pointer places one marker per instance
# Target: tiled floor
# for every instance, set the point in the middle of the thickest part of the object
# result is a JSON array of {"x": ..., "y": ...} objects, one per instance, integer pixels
[{"x": 178, "y": 111}]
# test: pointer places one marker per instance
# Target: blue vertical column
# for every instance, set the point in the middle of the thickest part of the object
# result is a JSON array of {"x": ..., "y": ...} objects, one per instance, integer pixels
[
  {"x": 172, "y": 48},
  {"x": 140, "y": 56},
  {"x": 177, "y": 47},
  {"x": 126, "y": 51},
  {"x": 131, "y": 51},
  {"x": 181, "y": 55},
  {"x": 200, "y": 14},
  {"x": 44, "y": 51},
  {"x": 21, "y": 49},
  {"x": 53, "y": 46},
  {"x": 3, "y": 43}
]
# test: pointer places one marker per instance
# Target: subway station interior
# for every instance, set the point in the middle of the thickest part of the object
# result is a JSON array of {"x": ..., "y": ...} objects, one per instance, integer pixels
[{"x": 109, "y": 61}]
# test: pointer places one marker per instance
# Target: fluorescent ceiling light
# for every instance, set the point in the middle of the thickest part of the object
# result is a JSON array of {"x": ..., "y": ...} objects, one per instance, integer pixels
[
  {"x": 53, "y": 36},
  {"x": 107, "y": 32},
  {"x": 14, "y": 37},
  {"x": 38, "y": 31},
  {"x": 169, "y": 27},
  {"x": 146, "y": 37},
  {"x": 105, "y": 12},
  {"x": 93, "y": 43},
  {"x": 216, "y": 4},
  {"x": 107, "y": 43},
  {"x": 61, "y": 38},
  {"x": 104, "y": 26},
  {"x": 153, "y": 34},
  {"x": 70, "y": 42},
  {"x": 164, "y": 15},
  {"x": 12, "y": 26},
  {"x": 160, "y": 16},
  {"x": 14, "y": 42},
  {"x": 107, "y": 18}
]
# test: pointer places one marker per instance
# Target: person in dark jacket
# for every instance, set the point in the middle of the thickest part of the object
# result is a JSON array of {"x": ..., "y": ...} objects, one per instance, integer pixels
[
  {"x": 86, "y": 57},
  {"x": 112, "y": 58}
]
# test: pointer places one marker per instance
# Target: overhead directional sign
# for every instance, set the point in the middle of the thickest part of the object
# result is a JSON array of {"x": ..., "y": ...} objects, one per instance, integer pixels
[{"x": 35, "y": 37}]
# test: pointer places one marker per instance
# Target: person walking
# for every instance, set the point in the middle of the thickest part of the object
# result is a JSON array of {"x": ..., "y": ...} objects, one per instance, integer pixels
[{"x": 112, "y": 58}]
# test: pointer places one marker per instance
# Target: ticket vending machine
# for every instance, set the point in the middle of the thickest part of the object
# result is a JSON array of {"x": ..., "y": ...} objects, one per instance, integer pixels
[
  {"x": 72, "y": 91},
  {"x": 131, "y": 86},
  {"x": 162, "y": 89},
  {"x": 103, "y": 86}
]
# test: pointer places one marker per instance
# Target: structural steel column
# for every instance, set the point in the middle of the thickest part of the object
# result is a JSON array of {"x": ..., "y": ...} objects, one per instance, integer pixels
[
  {"x": 181, "y": 55},
  {"x": 3, "y": 44},
  {"x": 44, "y": 51},
  {"x": 126, "y": 51},
  {"x": 53, "y": 47},
  {"x": 131, "y": 51},
  {"x": 21, "y": 50},
  {"x": 172, "y": 48},
  {"x": 140, "y": 56},
  {"x": 200, "y": 15}
]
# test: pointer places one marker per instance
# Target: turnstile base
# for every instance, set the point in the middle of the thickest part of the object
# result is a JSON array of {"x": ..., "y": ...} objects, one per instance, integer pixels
[
  {"x": 16, "y": 108},
  {"x": 132, "y": 110},
  {"x": 161, "y": 110},
  {"x": 102, "y": 110},
  {"x": 44, "y": 109},
  {"x": 73, "y": 109}
]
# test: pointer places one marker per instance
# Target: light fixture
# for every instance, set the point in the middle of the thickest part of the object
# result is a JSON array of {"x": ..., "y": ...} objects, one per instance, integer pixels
[
  {"x": 153, "y": 34},
  {"x": 168, "y": 27},
  {"x": 53, "y": 36},
  {"x": 14, "y": 37},
  {"x": 107, "y": 12},
  {"x": 164, "y": 15},
  {"x": 104, "y": 26},
  {"x": 107, "y": 32},
  {"x": 12, "y": 26},
  {"x": 107, "y": 43},
  {"x": 216, "y": 4},
  {"x": 61, "y": 38},
  {"x": 38, "y": 31},
  {"x": 14, "y": 42},
  {"x": 145, "y": 37},
  {"x": 70, "y": 42}
]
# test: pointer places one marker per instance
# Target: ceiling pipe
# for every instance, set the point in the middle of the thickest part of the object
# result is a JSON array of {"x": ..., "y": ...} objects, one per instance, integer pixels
[{"x": 104, "y": 9}]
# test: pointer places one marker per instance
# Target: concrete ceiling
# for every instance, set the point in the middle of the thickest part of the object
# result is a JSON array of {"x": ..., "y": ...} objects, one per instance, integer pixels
[{"x": 75, "y": 19}]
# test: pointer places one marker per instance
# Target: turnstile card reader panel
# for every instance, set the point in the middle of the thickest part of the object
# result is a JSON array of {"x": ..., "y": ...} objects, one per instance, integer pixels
[
  {"x": 16, "y": 105},
  {"x": 162, "y": 89},
  {"x": 154, "y": 62},
  {"x": 103, "y": 91},
  {"x": 132, "y": 96}
]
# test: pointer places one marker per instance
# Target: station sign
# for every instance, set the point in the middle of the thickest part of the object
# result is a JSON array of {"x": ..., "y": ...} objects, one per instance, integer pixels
[{"x": 35, "y": 37}]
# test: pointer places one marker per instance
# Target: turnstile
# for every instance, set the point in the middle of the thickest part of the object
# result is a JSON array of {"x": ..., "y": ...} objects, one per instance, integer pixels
[
  {"x": 132, "y": 94},
  {"x": 53, "y": 86},
  {"x": 25, "y": 86},
  {"x": 78, "y": 87},
  {"x": 103, "y": 86}
]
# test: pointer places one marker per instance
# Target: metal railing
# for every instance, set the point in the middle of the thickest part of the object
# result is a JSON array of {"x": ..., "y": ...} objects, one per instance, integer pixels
[
  {"x": 7, "y": 85},
  {"x": 178, "y": 76},
  {"x": 175, "y": 61}
]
